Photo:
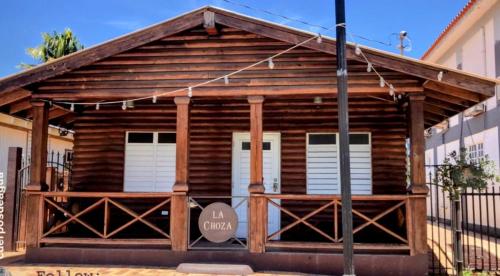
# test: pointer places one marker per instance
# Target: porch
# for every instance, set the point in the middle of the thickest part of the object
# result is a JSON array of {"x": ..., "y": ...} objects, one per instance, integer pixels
[{"x": 306, "y": 221}]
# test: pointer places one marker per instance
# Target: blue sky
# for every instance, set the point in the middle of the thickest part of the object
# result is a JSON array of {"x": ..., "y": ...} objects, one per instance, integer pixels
[{"x": 95, "y": 21}]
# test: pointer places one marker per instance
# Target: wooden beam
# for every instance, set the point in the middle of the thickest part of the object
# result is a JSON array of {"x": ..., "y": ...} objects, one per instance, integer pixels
[
  {"x": 182, "y": 145},
  {"x": 256, "y": 139},
  {"x": 57, "y": 112},
  {"x": 377, "y": 58},
  {"x": 417, "y": 144},
  {"x": 40, "y": 128},
  {"x": 257, "y": 204},
  {"x": 179, "y": 208},
  {"x": 453, "y": 91},
  {"x": 20, "y": 106},
  {"x": 11, "y": 199},
  {"x": 13, "y": 96},
  {"x": 209, "y": 23},
  {"x": 284, "y": 90},
  {"x": 38, "y": 171}
]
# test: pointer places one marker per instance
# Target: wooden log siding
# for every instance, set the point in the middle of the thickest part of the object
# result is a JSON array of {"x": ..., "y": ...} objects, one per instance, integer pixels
[
  {"x": 193, "y": 56},
  {"x": 100, "y": 140}
]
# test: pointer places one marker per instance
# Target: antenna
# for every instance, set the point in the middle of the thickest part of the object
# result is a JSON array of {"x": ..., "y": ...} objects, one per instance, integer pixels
[{"x": 404, "y": 42}]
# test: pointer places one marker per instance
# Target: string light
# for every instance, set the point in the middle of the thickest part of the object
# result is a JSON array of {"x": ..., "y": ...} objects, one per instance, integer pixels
[
  {"x": 72, "y": 107},
  {"x": 271, "y": 63},
  {"x": 357, "y": 50},
  {"x": 391, "y": 90},
  {"x": 440, "y": 75}
]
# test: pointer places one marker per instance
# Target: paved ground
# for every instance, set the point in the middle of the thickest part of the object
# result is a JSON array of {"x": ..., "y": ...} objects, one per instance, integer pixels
[
  {"x": 14, "y": 264},
  {"x": 440, "y": 243}
]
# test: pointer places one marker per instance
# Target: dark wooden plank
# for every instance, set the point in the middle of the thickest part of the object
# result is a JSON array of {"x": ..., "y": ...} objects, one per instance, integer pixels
[{"x": 13, "y": 96}]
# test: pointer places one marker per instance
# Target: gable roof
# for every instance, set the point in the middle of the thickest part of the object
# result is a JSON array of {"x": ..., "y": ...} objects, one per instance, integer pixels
[{"x": 195, "y": 18}]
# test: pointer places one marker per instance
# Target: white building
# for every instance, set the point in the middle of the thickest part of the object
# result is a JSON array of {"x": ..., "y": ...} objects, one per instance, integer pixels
[
  {"x": 15, "y": 132},
  {"x": 471, "y": 42}
]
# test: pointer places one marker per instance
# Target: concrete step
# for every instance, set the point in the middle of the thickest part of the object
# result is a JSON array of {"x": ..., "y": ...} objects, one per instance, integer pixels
[{"x": 215, "y": 269}]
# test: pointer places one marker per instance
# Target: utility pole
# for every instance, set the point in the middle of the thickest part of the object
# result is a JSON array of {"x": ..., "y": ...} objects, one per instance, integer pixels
[
  {"x": 343, "y": 117},
  {"x": 401, "y": 46}
]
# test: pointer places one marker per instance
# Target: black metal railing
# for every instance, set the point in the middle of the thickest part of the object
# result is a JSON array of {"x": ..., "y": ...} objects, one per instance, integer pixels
[{"x": 480, "y": 228}]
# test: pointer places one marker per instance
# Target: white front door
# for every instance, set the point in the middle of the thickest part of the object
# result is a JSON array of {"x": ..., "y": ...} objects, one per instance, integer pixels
[{"x": 241, "y": 177}]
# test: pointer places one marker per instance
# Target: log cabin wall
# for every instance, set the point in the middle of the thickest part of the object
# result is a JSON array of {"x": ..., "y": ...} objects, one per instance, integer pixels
[
  {"x": 193, "y": 56},
  {"x": 100, "y": 140}
]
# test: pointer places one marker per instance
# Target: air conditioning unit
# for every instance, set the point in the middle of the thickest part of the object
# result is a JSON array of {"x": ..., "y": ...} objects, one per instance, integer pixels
[{"x": 475, "y": 110}]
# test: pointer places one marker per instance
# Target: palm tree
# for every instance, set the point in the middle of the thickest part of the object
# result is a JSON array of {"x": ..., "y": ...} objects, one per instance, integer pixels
[{"x": 54, "y": 46}]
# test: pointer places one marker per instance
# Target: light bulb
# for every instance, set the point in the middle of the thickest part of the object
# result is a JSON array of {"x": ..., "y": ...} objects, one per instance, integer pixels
[
  {"x": 382, "y": 82},
  {"x": 369, "y": 67},
  {"x": 97, "y": 107},
  {"x": 391, "y": 90},
  {"x": 226, "y": 80},
  {"x": 124, "y": 105},
  {"x": 319, "y": 39},
  {"x": 190, "y": 92},
  {"x": 271, "y": 63},
  {"x": 72, "y": 107},
  {"x": 440, "y": 76},
  {"x": 154, "y": 99},
  {"x": 357, "y": 50}
]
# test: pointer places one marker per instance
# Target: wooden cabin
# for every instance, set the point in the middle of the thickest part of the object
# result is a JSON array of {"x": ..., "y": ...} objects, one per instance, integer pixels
[{"x": 264, "y": 143}]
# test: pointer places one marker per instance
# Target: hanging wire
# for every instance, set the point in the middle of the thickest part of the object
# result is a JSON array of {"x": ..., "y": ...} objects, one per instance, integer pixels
[{"x": 303, "y": 22}]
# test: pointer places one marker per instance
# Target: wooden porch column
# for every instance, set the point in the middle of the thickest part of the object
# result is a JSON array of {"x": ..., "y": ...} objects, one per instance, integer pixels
[
  {"x": 11, "y": 194},
  {"x": 179, "y": 209},
  {"x": 38, "y": 169},
  {"x": 257, "y": 202},
  {"x": 417, "y": 171},
  {"x": 40, "y": 129}
]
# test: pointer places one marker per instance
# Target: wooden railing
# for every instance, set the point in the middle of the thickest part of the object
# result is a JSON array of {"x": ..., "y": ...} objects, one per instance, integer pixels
[
  {"x": 62, "y": 211},
  {"x": 401, "y": 238}
]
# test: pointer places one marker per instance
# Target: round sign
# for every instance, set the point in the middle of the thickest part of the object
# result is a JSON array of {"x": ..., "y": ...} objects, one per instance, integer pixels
[{"x": 218, "y": 222}]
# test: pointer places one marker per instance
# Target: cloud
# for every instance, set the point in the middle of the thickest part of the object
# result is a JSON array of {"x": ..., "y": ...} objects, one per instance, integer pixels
[{"x": 129, "y": 25}]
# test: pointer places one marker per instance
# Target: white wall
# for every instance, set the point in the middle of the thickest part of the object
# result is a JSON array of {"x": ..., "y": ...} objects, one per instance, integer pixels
[
  {"x": 15, "y": 132},
  {"x": 10, "y": 137}
]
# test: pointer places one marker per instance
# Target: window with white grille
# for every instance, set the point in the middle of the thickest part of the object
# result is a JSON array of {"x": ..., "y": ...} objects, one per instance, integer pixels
[
  {"x": 149, "y": 162},
  {"x": 323, "y": 175},
  {"x": 476, "y": 152}
]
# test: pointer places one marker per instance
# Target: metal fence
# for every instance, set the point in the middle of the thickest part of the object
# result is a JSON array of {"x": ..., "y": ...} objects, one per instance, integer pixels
[
  {"x": 59, "y": 170},
  {"x": 480, "y": 229}
]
